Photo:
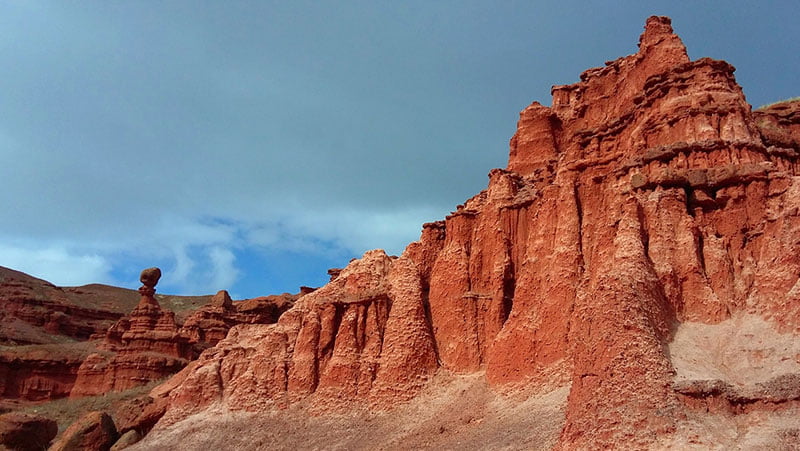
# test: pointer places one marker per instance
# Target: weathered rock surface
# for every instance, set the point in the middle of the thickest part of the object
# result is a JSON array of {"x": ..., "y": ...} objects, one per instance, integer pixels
[
  {"x": 145, "y": 346},
  {"x": 40, "y": 372},
  {"x": 38, "y": 312},
  {"x": 210, "y": 324},
  {"x": 127, "y": 439},
  {"x": 646, "y": 199},
  {"x": 125, "y": 351},
  {"x": 24, "y": 432},
  {"x": 94, "y": 431},
  {"x": 44, "y": 331},
  {"x": 150, "y": 344},
  {"x": 340, "y": 341}
]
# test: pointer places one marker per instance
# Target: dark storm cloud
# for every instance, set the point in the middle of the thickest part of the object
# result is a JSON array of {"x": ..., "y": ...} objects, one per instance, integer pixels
[{"x": 193, "y": 132}]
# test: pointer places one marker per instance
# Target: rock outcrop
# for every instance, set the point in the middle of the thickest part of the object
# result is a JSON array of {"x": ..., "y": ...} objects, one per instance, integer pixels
[
  {"x": 23, "y": 432},
  {"x": 332, "y": 341},
  {"x": 48, "y": 332},
  {"x": 122, "y": 351},
  {"x": 46, "y": 329},
  {"x": 647, "y": 196},
  {"x": 38, "y": 312},
  {"x": 144, "y": 346},
  {"x": 94, "y": 431},
  {"x": 41, "y": 372},
  {"x": 150, "y": 344},
  {"x": 211, "y": 323}
]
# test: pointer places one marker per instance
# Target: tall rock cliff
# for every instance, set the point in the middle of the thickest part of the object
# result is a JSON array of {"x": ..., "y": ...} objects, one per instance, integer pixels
[{"x": 647, "y": 202}]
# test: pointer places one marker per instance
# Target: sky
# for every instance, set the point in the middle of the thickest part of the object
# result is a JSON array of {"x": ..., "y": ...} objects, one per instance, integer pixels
[{"x": 250, "y": 146}]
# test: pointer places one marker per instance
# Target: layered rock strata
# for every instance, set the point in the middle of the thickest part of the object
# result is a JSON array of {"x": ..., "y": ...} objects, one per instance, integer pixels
[
  {"x": 150, "y": 344},
  {"x": 122, "y": 351},
  {"x": 145, "y": 346},
  {"x": 210, "y": 324},
  {"x": 41, "y": 372},
  {"x": 38, "y": 312},
  {"x": 647, "y": 196}
]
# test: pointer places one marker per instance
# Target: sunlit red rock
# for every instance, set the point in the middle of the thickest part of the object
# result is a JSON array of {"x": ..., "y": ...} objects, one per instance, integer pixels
[
  {"x": 149, "y": 344},
  {"x": 647, "y": 203},
  {"x": 210, "y": 324}
]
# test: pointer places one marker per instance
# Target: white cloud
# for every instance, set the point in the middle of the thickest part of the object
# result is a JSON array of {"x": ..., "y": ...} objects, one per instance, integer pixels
[
  {"x": 223, "y": 269},
  {"x": 359, "y": 230},
  {"x": 57, "y": 265},
  {"x": 200, "y": 255},
  {"x": 108, "y": 164},
  {"x": 183, "y": 269},
  {"x": 350, "y": 230}
]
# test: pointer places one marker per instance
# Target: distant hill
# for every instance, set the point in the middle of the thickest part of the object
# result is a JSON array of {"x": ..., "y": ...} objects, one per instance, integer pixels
[{"x": 36, "y": 311}]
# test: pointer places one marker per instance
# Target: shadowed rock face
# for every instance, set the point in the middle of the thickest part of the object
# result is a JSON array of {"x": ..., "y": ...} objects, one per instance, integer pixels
[
  {"x": 648, "y": 195},
  {"x": 149, "y": 279},
  {"x": 22, "y": 432},
  {"x": 94, "y": 431}
]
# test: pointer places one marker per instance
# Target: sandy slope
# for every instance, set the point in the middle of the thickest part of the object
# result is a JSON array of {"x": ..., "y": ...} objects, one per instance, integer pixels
[
  {"x": 744, "y": 352},
  {"x": 463, "y": 413},
  {"x": 454, "y": 412}
]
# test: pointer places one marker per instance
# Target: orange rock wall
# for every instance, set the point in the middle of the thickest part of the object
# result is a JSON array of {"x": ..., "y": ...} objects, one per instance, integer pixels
[
  {"x": 648, "y": 194},
  {"x": 37, "y": 378},
  {"x": 149, "y": 344}
]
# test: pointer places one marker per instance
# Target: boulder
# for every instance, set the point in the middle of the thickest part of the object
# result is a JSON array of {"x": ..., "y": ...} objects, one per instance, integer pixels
[
  {"x": 24, "y": 432},
  {"x": 95, "y": 431},
  {"x": 127, "y": 439}
]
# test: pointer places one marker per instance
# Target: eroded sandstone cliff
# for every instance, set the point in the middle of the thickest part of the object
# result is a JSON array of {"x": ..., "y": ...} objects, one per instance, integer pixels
[
  {"x": 38, "y": 312},
  {"x": 647, "y": 200},
  {"x": 150, "y": 344}
]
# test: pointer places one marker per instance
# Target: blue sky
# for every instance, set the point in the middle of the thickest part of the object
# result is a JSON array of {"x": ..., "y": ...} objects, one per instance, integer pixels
[{"x": 250, "y": 146}]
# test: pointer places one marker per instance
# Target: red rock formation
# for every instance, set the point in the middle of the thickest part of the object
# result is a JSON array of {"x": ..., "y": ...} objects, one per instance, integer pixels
[
  {"x": 149, "y": 344},
  {"x": 210, "y": 324},
  {"x": 148, "y": 329},
  {"x": 340, "y": 341},
  {"x": 40, "y": 372},
  {"x": 146, "y": 346},
  {"x": 94, "y": 431},
  {"x": 99, "y": 373},
  {"x": 648, "y": 196},
  {"x": 22, "y": 432},
  {"x": 38, "y": 312},
  {"x": 779, "y": 125}
]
